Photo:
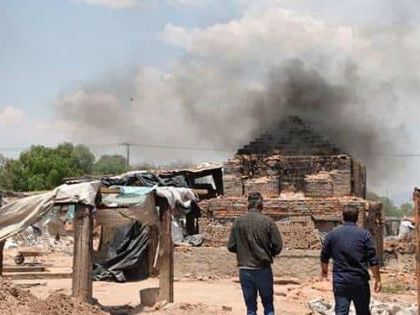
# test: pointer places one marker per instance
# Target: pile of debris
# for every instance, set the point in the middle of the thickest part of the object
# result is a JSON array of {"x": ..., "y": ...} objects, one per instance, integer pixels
[
  {"x": 18, "y": 301},
  {"x": 43, "y": 242},
  {"x": 320, "y": 306},
  {"x": 394, "y": 246}
]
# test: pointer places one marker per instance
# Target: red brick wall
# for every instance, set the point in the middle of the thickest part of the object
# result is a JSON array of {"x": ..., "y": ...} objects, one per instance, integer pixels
[{"x": 295, "y": 218}]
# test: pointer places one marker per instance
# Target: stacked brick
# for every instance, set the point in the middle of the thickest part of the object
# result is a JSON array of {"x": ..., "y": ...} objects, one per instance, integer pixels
[
  {"x": 268, "y": 185},
  {"x": 278, "y": 208},
  {"x": 305, "y": 180},
  {"x": 359, "y": 179},
  {"x": 320, "y": 184},
  {"x": 215, "y": 232},
  {"x": 317, "y": 176},
  {"x": 233, "y": 186},
  {"x": 299, "y": 233},
  {"x": 328, "y": 184},
  {"x": 296, "y": 218},
  {"x": 292, "y": 137}
]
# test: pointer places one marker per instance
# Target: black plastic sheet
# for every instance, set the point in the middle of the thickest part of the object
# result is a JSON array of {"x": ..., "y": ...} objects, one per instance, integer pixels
[{"x": 127, "y": 255}]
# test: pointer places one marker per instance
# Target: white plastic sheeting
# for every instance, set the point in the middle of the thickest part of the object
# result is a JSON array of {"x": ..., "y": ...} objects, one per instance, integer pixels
[
  {"x": 174, "y": 195},
  {"x": 18, "y": 215}
]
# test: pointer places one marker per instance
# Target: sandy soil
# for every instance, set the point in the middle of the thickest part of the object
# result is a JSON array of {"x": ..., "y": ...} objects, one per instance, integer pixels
[
  {"x": 208, "y": 294},
  {"x": 208, "y": 297}
]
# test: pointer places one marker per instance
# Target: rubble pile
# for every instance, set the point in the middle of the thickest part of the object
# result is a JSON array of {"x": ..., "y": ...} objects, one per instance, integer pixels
[
  {"x": 44, "y": 243},
  {"x": 320, "y": 306},
  {"x": 18, "y": 301},
  {"x": 41, "y": 240},
  {"x": 393, "y": 245}
]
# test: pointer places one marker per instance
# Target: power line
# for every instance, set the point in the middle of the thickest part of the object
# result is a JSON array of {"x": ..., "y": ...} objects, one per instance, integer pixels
[
  {"x": 189, "y": 148},
  {"x": 128, "y": 145}
]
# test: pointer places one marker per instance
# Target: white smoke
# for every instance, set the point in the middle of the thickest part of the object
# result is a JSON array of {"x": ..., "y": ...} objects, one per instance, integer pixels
[{"x": 220, "y": 93}]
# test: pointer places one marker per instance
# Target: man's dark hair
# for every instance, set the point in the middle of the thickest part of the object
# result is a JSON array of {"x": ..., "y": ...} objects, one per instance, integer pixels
[
  {"x": 255, "y": 201},
  {"x": 350, "y": 215}
]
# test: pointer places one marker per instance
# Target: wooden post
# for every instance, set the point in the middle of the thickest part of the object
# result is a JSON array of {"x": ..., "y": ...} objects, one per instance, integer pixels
[
  {"x": 2, "y": 242},
  {"x": 152, "y": 248},
  {"x": 166, "y": 252},
  {"x": 1, "y": 257},
  {"x": 82, "y": 254},
  {"x": 417, "y": 238}
]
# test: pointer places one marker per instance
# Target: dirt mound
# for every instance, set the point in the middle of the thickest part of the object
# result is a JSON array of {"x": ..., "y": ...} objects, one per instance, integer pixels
[{"x": 18, "y": 301}]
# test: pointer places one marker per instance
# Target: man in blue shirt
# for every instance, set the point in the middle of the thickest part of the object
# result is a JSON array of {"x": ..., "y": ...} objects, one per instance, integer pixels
[{"x": 353, "y": 252}]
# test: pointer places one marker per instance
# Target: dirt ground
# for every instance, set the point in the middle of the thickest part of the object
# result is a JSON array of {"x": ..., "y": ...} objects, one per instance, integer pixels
[{"x": 204, "y": 294}]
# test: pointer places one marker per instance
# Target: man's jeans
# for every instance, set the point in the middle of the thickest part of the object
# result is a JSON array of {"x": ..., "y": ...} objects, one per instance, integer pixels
[
  {"x": 359, "y": 294},
  {"x": 254, "y": 282}
]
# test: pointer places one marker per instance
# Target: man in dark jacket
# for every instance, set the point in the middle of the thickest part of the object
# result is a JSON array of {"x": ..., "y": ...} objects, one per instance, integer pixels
[
  {"x": 353, "y": 252},
  {"x": 255, "y": 239}
]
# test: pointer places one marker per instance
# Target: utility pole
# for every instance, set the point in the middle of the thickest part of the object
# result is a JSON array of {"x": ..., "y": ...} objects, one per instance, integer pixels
[
  {"x": 127, "y": 157},
  {"x": 127, "y": 145}
]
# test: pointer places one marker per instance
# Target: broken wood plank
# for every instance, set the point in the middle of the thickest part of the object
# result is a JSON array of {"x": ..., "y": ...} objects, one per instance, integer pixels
[{"x": 109, "y": 190}]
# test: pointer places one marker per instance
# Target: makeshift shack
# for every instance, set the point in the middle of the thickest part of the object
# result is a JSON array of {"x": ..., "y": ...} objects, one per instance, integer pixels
[{"x": 134, "y": 217}]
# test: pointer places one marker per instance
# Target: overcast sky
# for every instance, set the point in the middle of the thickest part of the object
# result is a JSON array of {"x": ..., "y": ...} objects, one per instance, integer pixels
[{"x": 159, "y": 71}]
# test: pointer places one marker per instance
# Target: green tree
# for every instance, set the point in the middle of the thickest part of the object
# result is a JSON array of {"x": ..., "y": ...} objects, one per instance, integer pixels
[
  {"x": 85, "y": 158},
  {"x": 407, "y": 209},
  {"x": 42, "y": 168},
  {"x": 389, "y": 207},
  {"x": 110, "y": 165},
  {"x": 10, "y": 174}
]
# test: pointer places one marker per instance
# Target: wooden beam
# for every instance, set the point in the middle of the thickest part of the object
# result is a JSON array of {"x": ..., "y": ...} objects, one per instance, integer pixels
[
  {"x": 417, "y": 239},
  {"x": 166, "y": 254},
  {"x": 83, "y": 254}
]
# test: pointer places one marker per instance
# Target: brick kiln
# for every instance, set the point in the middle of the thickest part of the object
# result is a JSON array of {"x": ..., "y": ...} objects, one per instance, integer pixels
[{"x": 306, "y": 182}]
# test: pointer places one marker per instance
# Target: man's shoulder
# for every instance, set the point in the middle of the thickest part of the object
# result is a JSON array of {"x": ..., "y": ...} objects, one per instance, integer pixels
[{"x": 339, "y": 230}]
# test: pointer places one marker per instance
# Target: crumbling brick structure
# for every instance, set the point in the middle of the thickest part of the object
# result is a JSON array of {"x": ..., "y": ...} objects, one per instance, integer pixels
[{"x": 306, "y": 182}]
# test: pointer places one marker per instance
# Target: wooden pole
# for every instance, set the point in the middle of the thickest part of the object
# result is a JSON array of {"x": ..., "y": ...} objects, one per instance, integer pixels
[
  {"x": 166, "y": 258},
  {"x": 417, "y": 238},
  {"x": 83, "y": 254},
  {"x": 1, "y": 243}
]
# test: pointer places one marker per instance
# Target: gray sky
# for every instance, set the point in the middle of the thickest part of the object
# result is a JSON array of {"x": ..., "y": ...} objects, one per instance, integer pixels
[{"x": 176, "y": 72}]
